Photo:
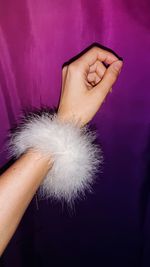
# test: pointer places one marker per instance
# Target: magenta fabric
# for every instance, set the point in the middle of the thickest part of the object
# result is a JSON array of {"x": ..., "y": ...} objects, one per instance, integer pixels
[{"x": 111, "y": 227}]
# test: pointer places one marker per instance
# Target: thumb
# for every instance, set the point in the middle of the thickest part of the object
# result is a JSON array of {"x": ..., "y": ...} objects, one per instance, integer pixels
[{"x": 109, "y": 78}]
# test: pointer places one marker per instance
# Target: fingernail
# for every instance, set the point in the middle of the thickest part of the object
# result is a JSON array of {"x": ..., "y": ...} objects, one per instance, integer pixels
[{"x": 118, "y": 65}]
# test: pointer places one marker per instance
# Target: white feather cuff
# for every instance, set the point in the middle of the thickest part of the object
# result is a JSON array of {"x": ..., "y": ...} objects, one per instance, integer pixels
[{"x": 76, "y": 157}]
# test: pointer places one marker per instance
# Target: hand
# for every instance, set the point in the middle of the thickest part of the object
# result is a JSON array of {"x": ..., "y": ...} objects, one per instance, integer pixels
[{"x": 85, "y": 84}]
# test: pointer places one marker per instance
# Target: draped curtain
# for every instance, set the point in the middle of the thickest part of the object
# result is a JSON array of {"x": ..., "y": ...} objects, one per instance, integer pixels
[{"x": 111, "y": 227}]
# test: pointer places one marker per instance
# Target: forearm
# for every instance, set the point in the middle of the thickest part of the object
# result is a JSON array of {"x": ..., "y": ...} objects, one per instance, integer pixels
[
  {"x": 85, "y": 84},
  {"x": 17, "y": 187}
]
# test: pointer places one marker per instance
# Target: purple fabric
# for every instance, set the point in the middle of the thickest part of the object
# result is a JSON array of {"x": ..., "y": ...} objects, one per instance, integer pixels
[{"x": 112, "y": 226}]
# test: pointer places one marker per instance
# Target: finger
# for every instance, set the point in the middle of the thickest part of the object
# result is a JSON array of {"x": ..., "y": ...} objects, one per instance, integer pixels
[
  {"x": 99, "y": 68},
  {"x": 96, "y": 73},
  {"x": 93, "y": 78},
  {"x": 94, "y": 54},
  {"x": 109, "y": 79},
  {"x": 64, "y": 75}
]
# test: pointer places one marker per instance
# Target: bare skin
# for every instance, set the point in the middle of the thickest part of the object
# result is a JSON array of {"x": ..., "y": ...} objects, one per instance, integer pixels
[{"x": 85, "y": 84}]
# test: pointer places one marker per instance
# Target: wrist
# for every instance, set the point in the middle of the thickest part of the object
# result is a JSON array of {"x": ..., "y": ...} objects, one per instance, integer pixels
[
  {"x": 76, "y": 158},
  {"x": 67, "y": 117}
]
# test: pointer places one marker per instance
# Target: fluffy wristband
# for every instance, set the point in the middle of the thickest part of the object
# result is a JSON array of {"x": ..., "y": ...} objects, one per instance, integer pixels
[{"x": 76, "y": 156}]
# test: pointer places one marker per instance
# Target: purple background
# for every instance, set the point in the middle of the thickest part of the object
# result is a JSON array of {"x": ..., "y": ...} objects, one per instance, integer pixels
[{"x": 112, "y": 226}]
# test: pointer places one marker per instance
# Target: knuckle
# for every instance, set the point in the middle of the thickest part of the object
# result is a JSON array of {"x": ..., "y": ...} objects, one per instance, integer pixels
[
  {"x": 64, "y": 68},
  {"x": 75, "y": 67},
  {"x": 95, "y": 49},
  {"x": 72, "y": 67}
]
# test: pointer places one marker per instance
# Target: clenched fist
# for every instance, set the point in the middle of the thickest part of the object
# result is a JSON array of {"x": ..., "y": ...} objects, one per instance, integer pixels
[{"x": 85, "y": 84}]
